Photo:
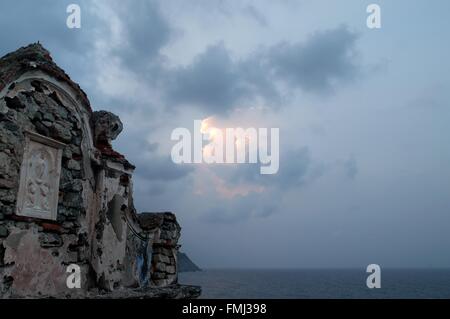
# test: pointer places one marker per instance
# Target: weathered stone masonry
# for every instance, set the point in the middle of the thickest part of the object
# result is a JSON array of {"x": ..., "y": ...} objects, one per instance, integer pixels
[{"x": 66, "y": 197}]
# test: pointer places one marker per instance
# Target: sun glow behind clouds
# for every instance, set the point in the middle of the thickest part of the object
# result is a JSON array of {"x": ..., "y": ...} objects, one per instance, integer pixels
[
  {"x": 217, "y": 137},
  {"x": 209, "y": 182}
]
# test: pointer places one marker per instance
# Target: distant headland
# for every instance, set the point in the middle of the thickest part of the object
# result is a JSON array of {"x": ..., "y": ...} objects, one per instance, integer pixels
[{"x": 185, "y": 264}]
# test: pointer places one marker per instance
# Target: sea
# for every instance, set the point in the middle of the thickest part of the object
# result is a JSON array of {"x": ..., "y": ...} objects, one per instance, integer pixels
[{"x": 319, "y": 283}]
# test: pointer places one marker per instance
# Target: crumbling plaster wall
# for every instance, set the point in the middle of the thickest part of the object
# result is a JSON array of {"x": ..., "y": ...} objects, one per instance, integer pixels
[{"x": 109, "y": 246}]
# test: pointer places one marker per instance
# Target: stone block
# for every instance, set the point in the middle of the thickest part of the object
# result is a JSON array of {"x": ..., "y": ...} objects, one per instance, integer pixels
[
  {"x": 73, "y": 165},
  {"x": 159, "y": 275},
  {"x": 170, "y": 269},
  {"x": 49, "y": 240},
  {"x": 161, "y": 258},
  {"x": 3, "y": 231},
  {"x": 160, "y": 267}
]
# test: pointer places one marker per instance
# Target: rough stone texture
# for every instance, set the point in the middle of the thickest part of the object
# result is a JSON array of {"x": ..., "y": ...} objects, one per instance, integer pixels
[
  {"x": 168, "y": 292},
  {"x": 107, "y": 127},
  {"x": 120, "y": 253},
  {"x": 35, "y": 57},
  {"x": 165, "y": 249}
]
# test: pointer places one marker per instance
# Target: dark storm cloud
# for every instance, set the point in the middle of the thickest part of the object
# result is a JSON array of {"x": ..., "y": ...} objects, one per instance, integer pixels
[
  {"x": 243, "y": 208},
  {"x": 213, "y": 81},
  {"x": 160, "y": 168},
  {"x": 146, "y": 31},
  {"x": 296, "y": 169},
  {"x": 217, "y": 83},
  {"x": 24, "y": 22},
  {"x": 325, "y": 58},
  {"x": 151, "y": 166}
]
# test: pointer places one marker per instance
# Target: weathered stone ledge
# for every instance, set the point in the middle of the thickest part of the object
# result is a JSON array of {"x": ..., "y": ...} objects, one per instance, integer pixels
[{"x": 169, "y": 292}]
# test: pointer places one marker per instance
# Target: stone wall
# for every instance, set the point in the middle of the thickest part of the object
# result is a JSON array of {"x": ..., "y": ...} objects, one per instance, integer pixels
[
  {"x": 94, "y": 223},
  {"x": 37, "y": 247},
  {"x": 165, "y": 234}
]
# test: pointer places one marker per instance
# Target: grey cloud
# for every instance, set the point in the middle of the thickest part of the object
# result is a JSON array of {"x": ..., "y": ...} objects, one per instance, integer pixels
[
  {"x": 25, "y": 22},
  {"x": 255, "y": 205},
  {"x": 316, "y": 65},
  {"x": 213, "y": 81},
  {"x": 217, "y": 83},
  {"x": 151, "y": 166},
  {"x": 145, "y": 190},
  {"x": 146, "y": 32},
  {"x": 161, "y": 168},
  {"x": 254, "y": 13},
  {"x": 296, "y": 169},
  {"x": 351, "y": 167}
]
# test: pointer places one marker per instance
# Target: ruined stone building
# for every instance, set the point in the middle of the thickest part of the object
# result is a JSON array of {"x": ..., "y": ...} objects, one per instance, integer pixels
[{"x": 66, "y": 197}]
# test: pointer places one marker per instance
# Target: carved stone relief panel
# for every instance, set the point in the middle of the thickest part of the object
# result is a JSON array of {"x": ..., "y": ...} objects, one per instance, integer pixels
[{"x": 39, "y": 177}]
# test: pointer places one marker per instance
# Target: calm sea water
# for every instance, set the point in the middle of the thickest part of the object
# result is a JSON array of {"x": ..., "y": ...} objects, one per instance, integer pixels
[{"x": 395, "y": 283}]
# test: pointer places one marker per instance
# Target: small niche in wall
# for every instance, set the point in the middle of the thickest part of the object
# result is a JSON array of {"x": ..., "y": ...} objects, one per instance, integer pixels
[
  {"x": 39, "y": 177},
  {"x": 114, "y": 215}
]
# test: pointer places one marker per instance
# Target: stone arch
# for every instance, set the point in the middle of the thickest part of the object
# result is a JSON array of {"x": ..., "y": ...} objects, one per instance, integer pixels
[{"x": 82, "y": 112}]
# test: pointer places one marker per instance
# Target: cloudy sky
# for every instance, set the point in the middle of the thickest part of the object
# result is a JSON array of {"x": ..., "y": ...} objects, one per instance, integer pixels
[{"x": 363, "y": 115}]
